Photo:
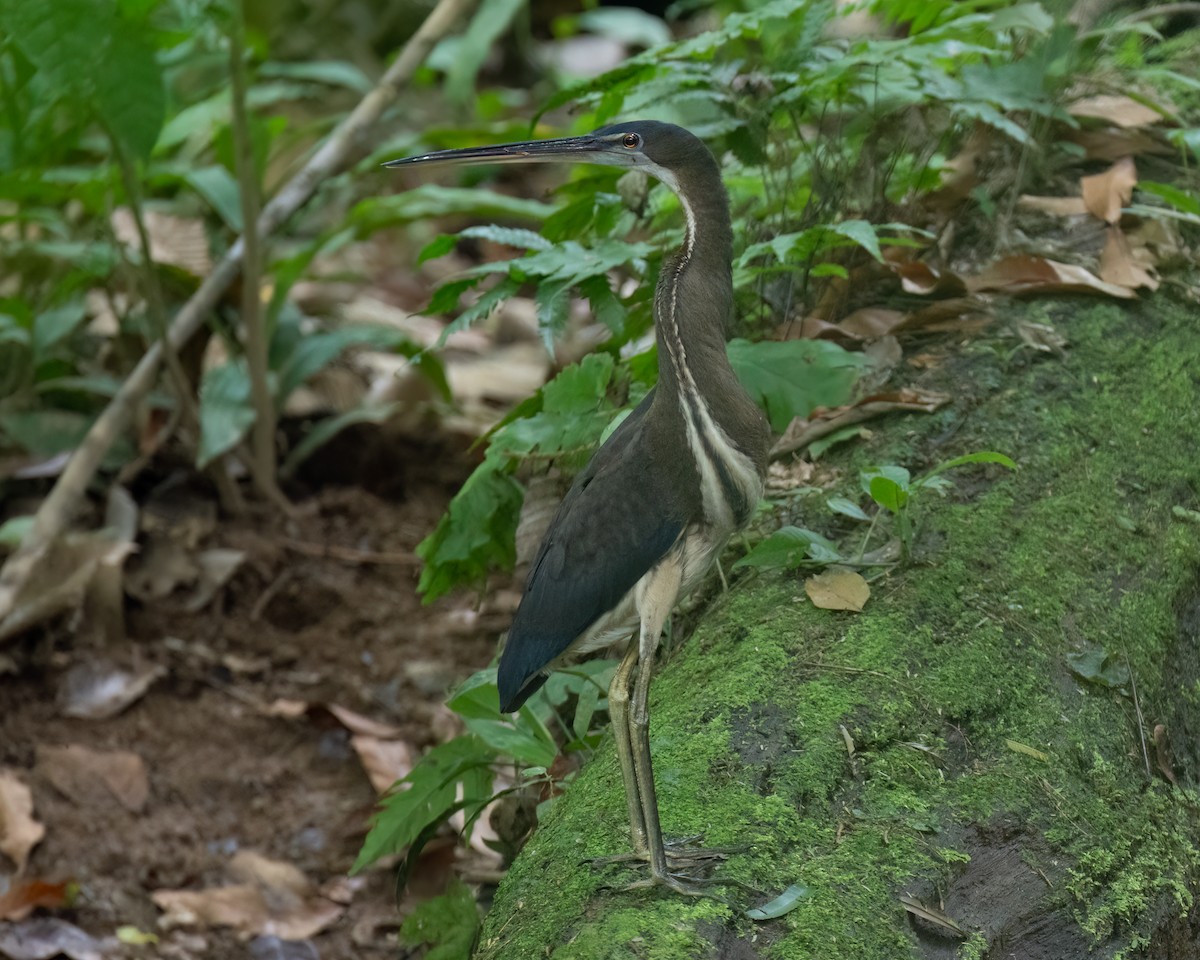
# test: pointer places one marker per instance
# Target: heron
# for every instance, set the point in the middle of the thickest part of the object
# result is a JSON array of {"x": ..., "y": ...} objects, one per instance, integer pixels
[{"x": 645, "y": 520}]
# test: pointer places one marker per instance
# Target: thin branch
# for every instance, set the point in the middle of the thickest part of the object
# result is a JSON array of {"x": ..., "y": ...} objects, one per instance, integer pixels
[
  {"x": 349, "y": 137},
  {"x": 263, "y": 438}
]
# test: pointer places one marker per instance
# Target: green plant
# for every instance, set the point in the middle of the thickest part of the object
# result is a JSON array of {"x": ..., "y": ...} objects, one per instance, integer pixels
[
  {"x": 461, "y": 774},
  {"x": 893, "y": 490}
]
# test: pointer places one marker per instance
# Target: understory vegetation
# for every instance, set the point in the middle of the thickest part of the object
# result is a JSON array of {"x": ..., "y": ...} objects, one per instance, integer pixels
[{"x": 889, "y": 177}]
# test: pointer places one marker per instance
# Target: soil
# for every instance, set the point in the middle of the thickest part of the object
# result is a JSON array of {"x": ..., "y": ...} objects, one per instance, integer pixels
[{"x": 224, "y": 775}]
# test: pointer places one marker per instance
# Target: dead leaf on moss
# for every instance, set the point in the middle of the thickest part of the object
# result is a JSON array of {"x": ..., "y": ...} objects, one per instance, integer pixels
[
  {"x": 822, "y": 422},
  {"x": 1041, "y": 337},
  {"x": 1162, "y": 753},
  {"x": 1105, "y": 194},
  {"x": 838, "y": 588},
  {"x": 1025, "y": 274},
  {"x": 925, "y": 280},
  {"x": 19, "y": 832},
  {"x": 871, "y": 323},
  {"x": 1117, "y": 109},
  {"x": 1120, "y": 263},
  {"x": 92, "y": 778}
]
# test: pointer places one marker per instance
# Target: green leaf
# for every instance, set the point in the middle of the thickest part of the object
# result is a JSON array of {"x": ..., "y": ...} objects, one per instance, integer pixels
[
  {"x": 13, "y": 530},
  {"x": 985, "y": 456},
  {"x": 217, "y": 185},
  {"x": 509, "y": 236},
  {"x": 847, "y": 508},
  {"x": 861, "y": 233},
  {"x": 438, "y": 247},
  {"x": 1180, "y": 199},
  {"x": 790, "y": 547},
  {"x": 316, "y": 351},
  {"x": 1096, "y": 665},
  {"x": 819, "y": 446},
  {"x": 784, "y": 903},
  {"x": 325, "y": 430},
  {"x": 478, "y": 697},
  {"x": 490, "y": 20},
  {"x": 792, "y": 378},
  {"x": 475, "y": 535},
  {"x": 226, "y": 410},
  {"x": 447, "y": 923},
  {"x": 508, "y": 740},
  {"x": 888, "y": 493},
  {"x": 334, "y": 73},
  {"x": 898, "y": 475},
  {"x": 425, "y": 796},
  {"x": 431, "y": 200},
  {"x": 130, "y": 96},
  {"x": 54, "y": 325}
]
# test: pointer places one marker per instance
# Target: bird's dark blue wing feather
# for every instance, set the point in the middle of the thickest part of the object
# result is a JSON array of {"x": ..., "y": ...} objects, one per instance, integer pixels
[{"x": 615, "y": 523}]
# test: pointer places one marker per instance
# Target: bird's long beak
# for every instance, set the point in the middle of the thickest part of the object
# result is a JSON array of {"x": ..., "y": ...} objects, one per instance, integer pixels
[{"x": 588, "y": 148}]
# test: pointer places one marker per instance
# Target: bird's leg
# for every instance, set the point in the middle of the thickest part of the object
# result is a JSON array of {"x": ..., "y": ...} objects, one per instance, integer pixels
[{"x": 618, "y": 711}]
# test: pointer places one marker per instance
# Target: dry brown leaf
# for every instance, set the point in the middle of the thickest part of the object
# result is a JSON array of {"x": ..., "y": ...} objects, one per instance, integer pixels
[
  {"x": 1021, "y": 273},
  {"x": 385, "y": 761},
  {"x": 19, "y": 832},
  {"x": 1162, "y": 753},
  {"x": 1113, "y": 143},
  {"x": 932, "y": 914},
  {"x": 801, "y": 432},
  {"x": 92, "y": 778},
  {"x": 925, "y": 280},
  {"x": 25, "y": 896},
  {"x": 870, "y": 323},
  {"x": 273, "y": 898},
  {"x": 1106, "y": 193},
  {"x": 1120, "y": 264},
  {"x": 1057, "y": 206},
  {"x": 956, "y": 315},
  {"x": 1117, "y": 109},
  {"x": 838, "y": 588},
  {"x": 357, "y": 723}
]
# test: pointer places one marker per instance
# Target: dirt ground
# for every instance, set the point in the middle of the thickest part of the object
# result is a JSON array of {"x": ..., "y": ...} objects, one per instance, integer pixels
[{"x": 321, "y": 612}]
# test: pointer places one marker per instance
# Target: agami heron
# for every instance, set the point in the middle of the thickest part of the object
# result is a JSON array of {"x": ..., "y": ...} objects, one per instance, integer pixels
[{"x": 645, "y": 520}]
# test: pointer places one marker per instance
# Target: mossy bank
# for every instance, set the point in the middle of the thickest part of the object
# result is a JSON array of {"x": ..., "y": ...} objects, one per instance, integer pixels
[{"x": 939, "y": 747}]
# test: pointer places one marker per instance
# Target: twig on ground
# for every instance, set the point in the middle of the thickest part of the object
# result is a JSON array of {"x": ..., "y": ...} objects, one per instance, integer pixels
[
  {"x": 56, "y": 510},
  {"x": 349, "y": 554}
]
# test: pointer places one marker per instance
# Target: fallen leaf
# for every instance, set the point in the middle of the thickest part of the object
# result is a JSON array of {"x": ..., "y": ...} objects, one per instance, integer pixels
[
  {"x": 1106, "y": 193},
  {"x": 19, "y": 832},
  {"x": 803, "y": 431},
  {"x": 42, "y": 938},
  {"x": 933, "y": 915},
  {"x": 357, "y": 723},
  {"x": 955, "y": 315},
  {"x": 99, "y": 689},
  {"x": 926, "y": 280},
  {"x": 91, "y": 778},
  {"x": 1057, "y": 206},
  {"x": 271, "y": 898},
  {"x": 1021, "y": 274},
  {"x": 385, "y": 761},
  {"x": 784, "y": 903},
  {"x": 24, "y": 896},
  {"x": 1162, "y": 753},
  {"x": 1120, "y": 264},
  {"x": 1114, "y": 143},
  {"x": 1041, "y": 337},
  {"x": 1117, "y": 109},
  {"x": 1018, "y": 747},
  {"x": 216, "y": 567},
  {"x": 838, "y": 588},
  {"x": 870, "y": 323}
]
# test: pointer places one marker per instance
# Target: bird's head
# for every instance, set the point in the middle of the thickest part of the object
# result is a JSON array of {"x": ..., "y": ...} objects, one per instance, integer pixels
[{"x": 662, "y": 150}]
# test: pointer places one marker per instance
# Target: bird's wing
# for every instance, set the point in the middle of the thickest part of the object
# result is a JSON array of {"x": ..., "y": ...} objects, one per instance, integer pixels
[{"x": 614, "y": 525}]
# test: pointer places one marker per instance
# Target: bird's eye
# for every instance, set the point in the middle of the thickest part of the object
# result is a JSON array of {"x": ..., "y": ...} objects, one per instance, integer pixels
[{"x": 631, "y": 140}]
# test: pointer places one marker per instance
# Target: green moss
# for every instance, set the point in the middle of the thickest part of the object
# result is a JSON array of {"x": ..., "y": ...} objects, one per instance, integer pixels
[{"x": 951, "y": 689}]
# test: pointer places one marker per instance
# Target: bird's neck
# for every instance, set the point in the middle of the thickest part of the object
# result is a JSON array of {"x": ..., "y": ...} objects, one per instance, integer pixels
[{"x": 694, "y": 299}]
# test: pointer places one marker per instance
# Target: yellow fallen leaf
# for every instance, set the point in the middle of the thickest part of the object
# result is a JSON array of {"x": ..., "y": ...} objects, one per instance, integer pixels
[
  {"x": 838, "y": 588},
  {"x": 1018, "y": 747}
]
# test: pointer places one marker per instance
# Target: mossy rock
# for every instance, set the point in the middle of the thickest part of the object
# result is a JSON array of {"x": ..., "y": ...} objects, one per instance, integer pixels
[{"x": 987, "y": 780}]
